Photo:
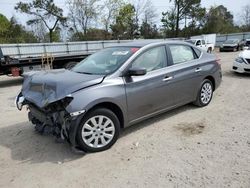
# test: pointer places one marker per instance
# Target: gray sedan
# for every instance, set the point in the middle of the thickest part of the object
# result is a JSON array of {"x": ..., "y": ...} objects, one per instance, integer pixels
[{"x": 117, "y": 87}]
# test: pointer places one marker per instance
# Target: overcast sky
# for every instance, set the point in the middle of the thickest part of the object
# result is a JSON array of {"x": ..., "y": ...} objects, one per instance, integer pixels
[{"x": 235, "y": 6}]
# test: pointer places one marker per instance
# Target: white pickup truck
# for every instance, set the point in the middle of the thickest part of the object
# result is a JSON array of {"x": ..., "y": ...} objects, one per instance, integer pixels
[{"x": 208, "y": 47}]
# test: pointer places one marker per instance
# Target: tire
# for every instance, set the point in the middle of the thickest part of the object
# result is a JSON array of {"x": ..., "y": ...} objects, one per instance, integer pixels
[
  {"x": 95, "y": 136},
  {"x": 209, "y": 50},
  {"x": 70, "y": 65},
  {"x": 205, "y": 94}
]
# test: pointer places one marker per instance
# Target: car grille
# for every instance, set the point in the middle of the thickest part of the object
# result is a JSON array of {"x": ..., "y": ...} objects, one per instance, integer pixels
[{"x": 228, "y": 47}]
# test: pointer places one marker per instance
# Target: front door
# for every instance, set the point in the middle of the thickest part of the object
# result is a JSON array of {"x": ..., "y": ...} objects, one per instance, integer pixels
[{"x": 146, "y": 94}]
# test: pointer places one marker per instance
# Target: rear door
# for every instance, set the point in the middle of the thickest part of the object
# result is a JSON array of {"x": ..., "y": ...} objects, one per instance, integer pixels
[{"x": 185, "y": 70}]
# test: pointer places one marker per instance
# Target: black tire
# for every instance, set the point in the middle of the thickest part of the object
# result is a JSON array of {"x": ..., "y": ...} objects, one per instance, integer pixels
[
  {"x": 209, "y": 50},
  {"x": 98, "y": 112},
  {"x": 199, "y": 102},
  {"x": 70, "y": 65}
]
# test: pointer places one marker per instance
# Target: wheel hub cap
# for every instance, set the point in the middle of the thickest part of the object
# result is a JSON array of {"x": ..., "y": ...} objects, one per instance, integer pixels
[
  {"x": 206, "y": 93},
  {"x": 98, "y": 131}
]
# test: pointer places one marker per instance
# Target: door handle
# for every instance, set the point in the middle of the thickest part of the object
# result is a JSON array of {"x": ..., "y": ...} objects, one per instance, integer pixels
[
  {"x": 198, "y": 70},
  {"x": 167, "y": 78}
]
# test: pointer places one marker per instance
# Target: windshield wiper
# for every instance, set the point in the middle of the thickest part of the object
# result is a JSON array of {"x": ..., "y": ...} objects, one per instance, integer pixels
[{"x": 85, "y": 73}]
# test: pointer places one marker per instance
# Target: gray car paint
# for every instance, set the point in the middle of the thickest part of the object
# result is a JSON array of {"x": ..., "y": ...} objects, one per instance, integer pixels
[{"x": 142, "y": 96}]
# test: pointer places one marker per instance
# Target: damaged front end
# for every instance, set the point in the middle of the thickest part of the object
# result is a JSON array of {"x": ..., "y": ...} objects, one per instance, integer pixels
[
  {"x": 49, "y": 95},
  {"x": 53, "y": 118}
]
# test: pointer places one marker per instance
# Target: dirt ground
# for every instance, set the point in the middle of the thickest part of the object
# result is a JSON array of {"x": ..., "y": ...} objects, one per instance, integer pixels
[{"x": 186, "y": 147}]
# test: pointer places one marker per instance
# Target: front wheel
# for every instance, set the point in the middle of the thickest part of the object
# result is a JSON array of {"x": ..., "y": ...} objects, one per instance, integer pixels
[
  {"x": 98, "y": 131},
  {"x": 205, "y": 94}
]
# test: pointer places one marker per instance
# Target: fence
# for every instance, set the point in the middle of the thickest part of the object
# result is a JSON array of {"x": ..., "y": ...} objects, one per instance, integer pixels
[
  {"x": 86, "y": 47},
  {"x": 71, "y": 48},
  {"x": 220, "y": 39}
]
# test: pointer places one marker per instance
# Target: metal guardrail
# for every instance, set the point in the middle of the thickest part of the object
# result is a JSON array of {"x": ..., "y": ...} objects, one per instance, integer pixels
[
  {"x": 85, "y": 47},
  {"x": 57, "y": 49},
  {"x": 70, "y": 48}
]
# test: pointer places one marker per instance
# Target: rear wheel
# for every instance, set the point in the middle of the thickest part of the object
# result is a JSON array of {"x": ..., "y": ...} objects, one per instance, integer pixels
[
  {"x": 205, "y": 94},
  {"x": 70, "y": 65},
  {"x": 98, "y": 131}
]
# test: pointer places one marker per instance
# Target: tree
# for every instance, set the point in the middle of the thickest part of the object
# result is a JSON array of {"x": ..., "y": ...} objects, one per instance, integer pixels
[
  {"x": 125, "y": 24},
  {"x": 196, "y": 21},
  {"x": 245, "y": 15},
  {"x": 43, "y": 11},
  {"x": 82, "y": 13},
  {"x": 219, "y": 20},
  {"x": 169, "y": 23},
  {"x": 12, "y": 32},
  {"x": 149, "y": 31},
  {"x": 4, "y": 25},
  {"x": 145, "y": 10},
  {"x": 110, "y": 11},
  {"x": 181, "y": 9}
]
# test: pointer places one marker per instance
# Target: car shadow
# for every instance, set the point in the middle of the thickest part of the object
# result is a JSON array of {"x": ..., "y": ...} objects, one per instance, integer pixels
[
  {"x": 11, "y": 82},
  {"x": 27, "y": 146},
  {"x": 155, "y": 119}
]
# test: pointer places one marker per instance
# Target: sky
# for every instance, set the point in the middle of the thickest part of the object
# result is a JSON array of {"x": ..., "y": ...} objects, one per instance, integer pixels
[{"x": 234, "y": 6}]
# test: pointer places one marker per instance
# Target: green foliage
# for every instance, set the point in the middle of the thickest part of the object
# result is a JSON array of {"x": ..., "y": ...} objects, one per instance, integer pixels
[
  {"x": 12, "y": 32},
  {"x": 183, "y": 9},
  {"x": 219, "y": 20},
  {"x": 45, "y": 11},
  {"x": 149, "y": 31},
  {"x": 125, "y": 26},
  {"x": 91, "y": 35},
  {"x": 169, "y": 23}
]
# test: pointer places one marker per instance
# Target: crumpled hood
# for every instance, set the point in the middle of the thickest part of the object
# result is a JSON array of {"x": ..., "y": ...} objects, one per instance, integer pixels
[{"x": 45, "y": 87}]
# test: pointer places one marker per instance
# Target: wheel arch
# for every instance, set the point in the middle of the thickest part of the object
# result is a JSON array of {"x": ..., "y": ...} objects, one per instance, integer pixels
[
  {"x": 211, "y": 78},
  {"x": 114, "y": 108}
]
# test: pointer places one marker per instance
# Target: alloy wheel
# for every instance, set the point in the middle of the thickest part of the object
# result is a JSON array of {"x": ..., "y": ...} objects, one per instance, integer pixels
[
  {"x": 206, "y": 93},
  {"x": 98, "y": 131}
]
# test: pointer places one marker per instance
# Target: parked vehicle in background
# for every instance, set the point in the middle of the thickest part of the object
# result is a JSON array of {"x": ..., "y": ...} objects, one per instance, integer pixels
[
  {"x": 208, "y": 47},
  {"x": 242, "y": 62},
  {"x": 232, "y": 45},
  {"x": 117, "y": 87},
  {"x": 247, "y": 43}
]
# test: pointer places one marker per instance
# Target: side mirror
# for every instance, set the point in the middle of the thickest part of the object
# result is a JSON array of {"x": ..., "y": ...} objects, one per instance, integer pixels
[{"x": 135, "y": 71}]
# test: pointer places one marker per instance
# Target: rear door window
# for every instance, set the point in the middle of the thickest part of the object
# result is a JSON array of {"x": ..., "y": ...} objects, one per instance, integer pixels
[{"x": 181, "y": 53}]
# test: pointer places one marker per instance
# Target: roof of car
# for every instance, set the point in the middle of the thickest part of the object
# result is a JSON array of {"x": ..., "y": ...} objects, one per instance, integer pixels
[{"x": 142, "y": 43}]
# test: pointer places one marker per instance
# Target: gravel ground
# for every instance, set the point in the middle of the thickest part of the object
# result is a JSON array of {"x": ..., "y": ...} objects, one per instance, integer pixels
[{"x": 186, "y": 147}]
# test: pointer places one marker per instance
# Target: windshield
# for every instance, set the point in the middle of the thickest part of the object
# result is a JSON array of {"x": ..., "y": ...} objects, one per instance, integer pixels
[
  {"x": 105, "y": 61},
  {"x": 231, "y": 41},
  {"x": 191, "y": 41}
]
